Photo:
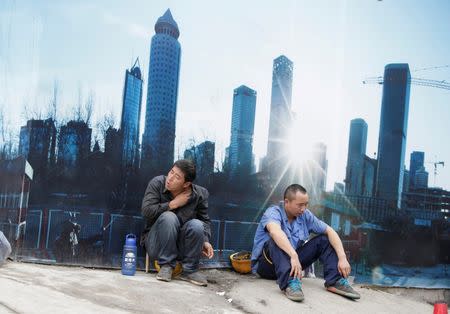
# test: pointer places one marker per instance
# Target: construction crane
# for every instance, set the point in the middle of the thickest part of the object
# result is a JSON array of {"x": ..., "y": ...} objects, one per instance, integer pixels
[
  {"x": 435, "y": 164},
  {"x": 432, "y": 68},
  {"x": 414, "y": 80}
]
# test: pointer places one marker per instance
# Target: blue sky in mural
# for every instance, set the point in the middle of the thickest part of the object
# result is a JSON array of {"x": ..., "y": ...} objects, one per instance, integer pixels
[{"x": 334, "y": 45}]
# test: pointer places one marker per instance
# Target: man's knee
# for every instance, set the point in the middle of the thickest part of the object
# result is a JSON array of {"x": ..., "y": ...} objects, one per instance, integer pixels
[
  {"x": 272, "y": 245},
  {"x": 168, "y": 218},
  {"x": 322, "y": 240},
  {"x": 167, "y": 225},
  {"x": 275, "y": 252},
  {"x": 194, "y": 226}
]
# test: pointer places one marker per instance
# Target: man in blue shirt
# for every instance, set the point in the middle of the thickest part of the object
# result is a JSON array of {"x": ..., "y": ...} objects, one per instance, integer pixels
[{"x": 281, "y": 250}]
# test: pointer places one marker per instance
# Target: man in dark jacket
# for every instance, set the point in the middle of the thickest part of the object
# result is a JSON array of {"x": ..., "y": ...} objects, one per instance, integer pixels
[{"x": 177, "y": 222}]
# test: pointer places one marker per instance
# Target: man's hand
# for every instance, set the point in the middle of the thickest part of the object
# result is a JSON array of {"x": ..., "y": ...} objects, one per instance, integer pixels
[
  {"x": 280, "y": 239},
  {"x": 344, "y": 267},
  {"x": 208, "y": 250},
  {"x": 296, "y": 267},
  {"x": 180, "y": 200}
]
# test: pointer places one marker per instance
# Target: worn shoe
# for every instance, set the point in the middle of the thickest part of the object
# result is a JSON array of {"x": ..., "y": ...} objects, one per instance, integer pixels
[
  {"x": 343, "y": 288},
  {"x": 196, "y": 278},
  {"x": 165, "y": 273},
  {"x": 294, "y": 290}
]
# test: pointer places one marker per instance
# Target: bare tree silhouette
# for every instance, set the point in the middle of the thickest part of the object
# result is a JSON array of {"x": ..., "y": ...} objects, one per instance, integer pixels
[
  {"x": 77, "y": 111},
  {"x": 106, "y": 122},
  {"x": 52, "y": 109},
  {"x": 89, "y": 107},
  {"x": 8, "y": 139}
]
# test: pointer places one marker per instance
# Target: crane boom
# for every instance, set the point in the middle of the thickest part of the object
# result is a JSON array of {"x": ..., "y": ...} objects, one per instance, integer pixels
[{"x": 414, "y": 80}]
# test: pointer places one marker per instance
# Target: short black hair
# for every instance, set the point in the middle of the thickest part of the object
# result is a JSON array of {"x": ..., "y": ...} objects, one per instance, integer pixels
[
  {"x": 292, "y": 190},
  {"x": 187, "y": 167}
]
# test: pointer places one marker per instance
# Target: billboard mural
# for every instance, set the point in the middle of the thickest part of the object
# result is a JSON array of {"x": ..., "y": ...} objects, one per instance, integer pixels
[{"x": 97, "y": 99}]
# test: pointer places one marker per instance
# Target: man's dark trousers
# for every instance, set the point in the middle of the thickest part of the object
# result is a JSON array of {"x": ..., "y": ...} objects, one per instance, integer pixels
[
  {"x": 168, "y": 241},
  {"x": 278, "y": 265}
]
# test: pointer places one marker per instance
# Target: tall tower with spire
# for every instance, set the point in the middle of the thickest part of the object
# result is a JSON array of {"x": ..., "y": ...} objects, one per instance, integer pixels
[
  {"x": 280, "y": 107},
  {"x": 162, "y": 95},
  {"x": 277, "y": 161}
]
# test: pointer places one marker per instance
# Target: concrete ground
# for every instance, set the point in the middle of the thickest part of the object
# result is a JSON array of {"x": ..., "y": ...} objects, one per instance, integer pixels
[{"x": 33, "y": 288}]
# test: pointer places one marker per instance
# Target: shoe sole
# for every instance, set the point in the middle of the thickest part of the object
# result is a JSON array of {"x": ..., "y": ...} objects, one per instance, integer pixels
[
  {"x": 198, "y": 283},
  {"x": 296, "y": 299},
  {"x": 163, "y": 279},
  {"x": 343, "y": 293}
]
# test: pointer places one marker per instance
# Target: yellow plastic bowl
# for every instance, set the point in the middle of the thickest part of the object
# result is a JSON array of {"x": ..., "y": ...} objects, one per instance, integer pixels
[
  {"x": 178, "y": 269},
  {"x": 241, "y": 262}
]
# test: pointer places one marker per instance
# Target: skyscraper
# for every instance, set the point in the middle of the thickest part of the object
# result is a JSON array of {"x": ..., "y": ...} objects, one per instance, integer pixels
[
  {"x": 317, "y": 172},
  {"x": 242, "y": 129},
  {"x": 319, "y": 156},
  {"x": 415, "y": 163},
  {"x": 37, "y": 144},
  {"x": 421, "y": 178},
  {"x": 355, "y": 158},
  {"x": 406, "y": 180},
  {"x": 113, "y": 148},
  {"x": 162, "y": 93},
  {"x": 203, "y": 157},
  {"x": 74, "y": 145},
  {"x": 131, "y": 114},
  {"x": 393, "y": 130},
  {"x": 338, "y": 188},
  {"x": 280, "y": 108},
  {"x": 368, "y": 176}
]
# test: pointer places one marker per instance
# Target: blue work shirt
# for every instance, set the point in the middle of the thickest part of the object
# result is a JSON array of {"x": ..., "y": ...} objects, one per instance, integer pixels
[{"x": 297, "y": 230}]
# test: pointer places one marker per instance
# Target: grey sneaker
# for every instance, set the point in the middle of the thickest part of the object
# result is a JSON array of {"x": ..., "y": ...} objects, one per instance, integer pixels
[
  {"x": 196, "y": 278},
  {"x": 165, "y": 273},
  {"x": 294, "y": 290},
  {"x": 342, "y": 287}
]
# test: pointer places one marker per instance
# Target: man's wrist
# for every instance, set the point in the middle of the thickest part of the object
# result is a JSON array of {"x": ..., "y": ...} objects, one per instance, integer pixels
[
  {"x": 171, "y": 206},
  {"x": 342, "y": 257}
]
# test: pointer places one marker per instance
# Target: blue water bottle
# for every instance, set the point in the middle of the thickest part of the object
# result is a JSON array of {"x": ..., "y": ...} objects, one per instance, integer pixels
[{"x": 129, "y": 255}]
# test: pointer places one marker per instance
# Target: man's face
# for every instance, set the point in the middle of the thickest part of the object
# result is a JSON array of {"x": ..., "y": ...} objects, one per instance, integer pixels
[
  {"x": 297, "y": 206},
  {"x": 175, "y": 180}
]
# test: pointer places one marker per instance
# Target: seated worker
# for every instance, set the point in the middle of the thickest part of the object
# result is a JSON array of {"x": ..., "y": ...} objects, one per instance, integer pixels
[
  {"x": 281, "y": 250},
  {"x": 178, "y": 227}
]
